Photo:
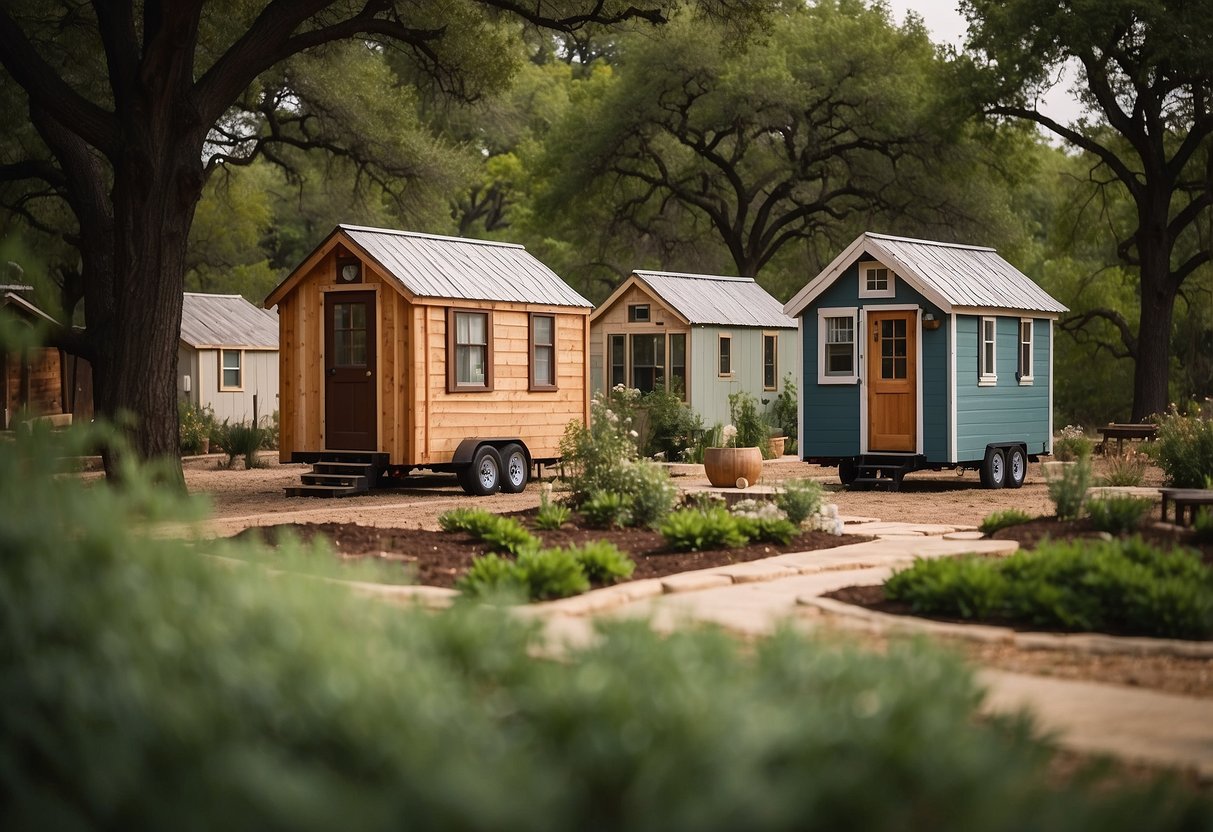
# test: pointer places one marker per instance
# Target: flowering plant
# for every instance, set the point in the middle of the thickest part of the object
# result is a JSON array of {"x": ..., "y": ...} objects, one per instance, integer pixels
[{"x": 728, "y": 436}]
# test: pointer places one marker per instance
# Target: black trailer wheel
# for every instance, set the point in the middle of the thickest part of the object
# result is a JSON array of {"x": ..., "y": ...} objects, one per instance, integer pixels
[
  {"x": 1017, "y": 467},
  {"x": 515, "y": 469},
  {"x": 847, "y": 471},
  {"x": 994, "y": 468},
  {"x": 483, "y": 476}
]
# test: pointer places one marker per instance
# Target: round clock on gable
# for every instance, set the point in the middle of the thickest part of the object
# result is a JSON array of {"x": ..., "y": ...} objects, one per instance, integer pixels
[{"x": 349, "y": 271}]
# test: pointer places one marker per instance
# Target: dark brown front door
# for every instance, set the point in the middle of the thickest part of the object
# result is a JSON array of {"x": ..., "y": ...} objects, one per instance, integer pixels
[
  {"x": 892, "y": 381},
  {"x": 349, "y": 371}
]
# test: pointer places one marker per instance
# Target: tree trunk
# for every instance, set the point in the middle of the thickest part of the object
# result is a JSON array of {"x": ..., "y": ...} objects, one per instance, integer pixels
[{"x": 1152, "y": 371}]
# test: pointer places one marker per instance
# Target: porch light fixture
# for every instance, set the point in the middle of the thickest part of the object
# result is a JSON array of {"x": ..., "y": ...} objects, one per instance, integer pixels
[{"x": 929, "y": 321}]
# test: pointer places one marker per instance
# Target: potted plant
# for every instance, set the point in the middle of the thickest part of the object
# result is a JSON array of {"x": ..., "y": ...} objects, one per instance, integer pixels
[{"x": 731, "y": 466}]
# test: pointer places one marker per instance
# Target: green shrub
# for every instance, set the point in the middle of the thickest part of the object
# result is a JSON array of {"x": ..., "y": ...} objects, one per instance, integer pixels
[
  {"x": 551, "y": 573},
  {"x": 606, "y": 510},
  {"x": 651, "y": 491},
  {"x": 495, "y": 578},
  {"x": 691, "y": 530},
  {"x": 1118, "y": 514},
  {"x": 194, "y": 425},
  {"x": 241, "y": 439},
  {"x": 464, "y": 520},
  {"x": 1124, "y": 586},
  {"x": 751, "y": 429},
  {"x": 148, "y": 687},
  {"x": 551, "y": 516},
  {"x": 1202, "y": 527},
  {"x": 1003, "y": 519},
  {"x": 710, "y": 438},
  {"x": 672, "y": 426},
  {"x": 593, "y": 456},
  {"x": 799, "y": 499},
  {"x": 785, "y": 414},
  {"x": 1072, "y": 445},
  {"x": 767, "y": 529},
  {"x": 1185, "y": 449},
  {"x": 1068, "y": 488},
  {"x": 602, "y": 562},
  {"x": 505, "y": 534},
  {"x": 1128, "y": 469}
]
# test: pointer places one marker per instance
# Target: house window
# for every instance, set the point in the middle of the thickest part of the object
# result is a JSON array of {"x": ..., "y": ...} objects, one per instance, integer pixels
[
  {"x": 875, "y": 281},
  {"x": 894, "y": 359},
  {"x": 726, "y": 355},
  {"x": 469, "y": 342},
  {"x": 231, "y": 370},
  {"x": 543, "y": 352},
  {"x": 987, "y": 375},
  {"x": 349, "y": 335},
  {"x": 638, "y": 313},
  {"x": 836, "y": 346},
  {"x": 617, "y": 347},
  {"x": 770, "y": 361},
  {"x": 1025, "y": 351},
  {"x": 648, "y": 362},
  {"x": 678, "y": 365}
]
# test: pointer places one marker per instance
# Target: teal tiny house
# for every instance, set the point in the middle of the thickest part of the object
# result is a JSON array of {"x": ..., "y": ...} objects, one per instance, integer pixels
[{"x": 918, "y": 354}]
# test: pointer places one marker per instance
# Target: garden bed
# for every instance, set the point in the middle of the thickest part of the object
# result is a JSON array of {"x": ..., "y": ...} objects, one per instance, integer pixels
[{"x": 441, "y": 558}]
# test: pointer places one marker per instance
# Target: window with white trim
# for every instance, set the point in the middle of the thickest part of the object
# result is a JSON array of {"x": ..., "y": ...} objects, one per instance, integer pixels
[
  {"x": 231, "y": 370},
  {"x": 726, "y": 355},
  {"x": 1025, "y": 350},
  {"x": 875, "y": 281},
  {"x": 986, "y": 372},
  {"x": 836, "y": 355}
]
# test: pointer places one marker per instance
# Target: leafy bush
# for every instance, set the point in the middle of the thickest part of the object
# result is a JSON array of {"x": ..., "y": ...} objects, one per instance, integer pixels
[
  {"x": 1068, "y": 488},
  {"x": 551, "y": 516},
  {"x": 551, "y": 573},
  {"x": 610, "y": 508},
  {"x": 502, "y": 534},
  {"x": 241, "y": 439},
  {"x": 672, "y": 426},
  {"x": 799, "y": 499},
  {"x": 710, "y": 438},
  {"x": 194, "y": 425},
  {"x": 691, "y": 530},
  {"x": 1202, "y": 527},
  {"x": 1123, "y": 586},
  {"x": 751, "y": 429},
  {"x": 593, "y": 456},
  {"x": 767, "y": 529},
  {"x": 1072, "y": 445},
  {"x": 602, "y": 562},
  {"x": 464, "y": 520},
  {"x": 1129, "y": 469},
  {"x": 785, "y": 414},
  {"x": 495, "y": 578},
  {"x": 1118, "y": 514},
  {"x": 651, "y": 491},
  {"x": 149, "y": 688},
  {"x": 1185, "y": 449},
  {"x": 1003, "y": 519}
]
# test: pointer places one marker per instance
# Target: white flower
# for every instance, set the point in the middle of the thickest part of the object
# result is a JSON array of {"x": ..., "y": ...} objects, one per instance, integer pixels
[
  {"x": 728, "y": 433},
  {"x": 633, "y": 434}
]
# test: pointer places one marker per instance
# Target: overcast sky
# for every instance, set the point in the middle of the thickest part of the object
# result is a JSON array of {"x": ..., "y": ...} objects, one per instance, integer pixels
[{"x": 947, "y": 25}]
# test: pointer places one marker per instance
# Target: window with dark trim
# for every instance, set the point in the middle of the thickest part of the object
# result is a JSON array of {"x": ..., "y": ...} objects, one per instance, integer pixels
[
  {"x": 469, "y": 350},
  {"x": 617, "y": 347},
  {"x": 770, "y": 360},
  {"x": 543, "y": 352},
  {"x": 1025, "y": 351},
  {"x": 648, "y": 362},
  {"x": 726, "y": 355},
  {"x": 678, "y": 365},
  {"x": 231, "y": 370},
  {"x": 638, "y": 313}
]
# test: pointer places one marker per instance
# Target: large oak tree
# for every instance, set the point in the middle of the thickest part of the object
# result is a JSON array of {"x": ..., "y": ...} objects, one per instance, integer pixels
[
  {"x": 123, "y": 98},
  {"x": 1145, "y": 76}
]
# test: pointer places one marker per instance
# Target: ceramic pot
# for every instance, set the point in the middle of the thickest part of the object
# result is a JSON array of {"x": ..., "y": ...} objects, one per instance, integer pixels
[{"x": 725, "y": 466}]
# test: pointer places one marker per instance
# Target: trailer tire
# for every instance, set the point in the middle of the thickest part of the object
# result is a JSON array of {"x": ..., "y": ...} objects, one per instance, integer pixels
[
  {"x": 994, "y": 468},
  {"x": 483, "y": 476},
  {"x": 515, "y": 470},
  {"x": 847, "y": 471},
  {"x": 1017, "y": 467}
]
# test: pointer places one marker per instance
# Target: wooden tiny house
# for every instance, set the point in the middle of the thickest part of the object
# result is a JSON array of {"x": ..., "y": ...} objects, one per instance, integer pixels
[
  {"x": 40, "y": 382},
  {"x": 919, "y": 354},
  {"x": 705, "y": 336},
  {"x": 406, "y": 351}
]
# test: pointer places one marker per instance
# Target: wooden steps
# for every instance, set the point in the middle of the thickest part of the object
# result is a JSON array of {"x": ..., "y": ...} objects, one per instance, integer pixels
[
  {"x": 883, "y": 471},
  {"x": 340, "y": 474}
]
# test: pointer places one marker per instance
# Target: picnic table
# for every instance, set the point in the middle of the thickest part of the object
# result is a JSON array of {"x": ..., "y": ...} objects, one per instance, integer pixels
[
  {"x": 1187, "y": 500},
  {"x": 1121, "y": 432}
]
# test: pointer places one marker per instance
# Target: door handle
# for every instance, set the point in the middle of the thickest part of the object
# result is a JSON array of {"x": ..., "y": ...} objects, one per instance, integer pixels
[
  {"x": 332, "y": 371},
  {"x": 368, "y": 373}
]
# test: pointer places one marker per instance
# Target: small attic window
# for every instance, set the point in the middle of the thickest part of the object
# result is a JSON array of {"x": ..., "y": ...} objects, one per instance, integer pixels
[
  {"x": 638, "y": 313},
  {"x": 876, "y": 280}
]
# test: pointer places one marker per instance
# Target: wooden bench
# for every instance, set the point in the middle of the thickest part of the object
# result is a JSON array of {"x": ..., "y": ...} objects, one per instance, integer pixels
[
  {"x": 1187, "y": 500},
  {"x": 1120, "y": 433}
]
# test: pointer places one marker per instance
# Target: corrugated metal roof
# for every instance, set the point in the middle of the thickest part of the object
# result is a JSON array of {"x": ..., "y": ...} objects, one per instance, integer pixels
[
  {"x": 457, "y": 268},
  {"x": 226, "y": 321},
  {"x": 717, "y": 300},
  {"x": 949, "y": 274}
]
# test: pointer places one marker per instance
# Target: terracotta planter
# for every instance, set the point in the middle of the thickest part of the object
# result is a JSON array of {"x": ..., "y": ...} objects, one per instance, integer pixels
[
  {"x": 726, "y": 466},
  {"x": 776, "y": 443}
]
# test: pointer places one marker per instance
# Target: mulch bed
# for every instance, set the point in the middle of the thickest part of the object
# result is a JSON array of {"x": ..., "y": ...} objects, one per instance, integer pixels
[{"x": 441, "y": 558}]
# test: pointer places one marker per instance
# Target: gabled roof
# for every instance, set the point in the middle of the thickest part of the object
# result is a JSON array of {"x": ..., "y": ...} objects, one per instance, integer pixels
[
  {"x": 710, "y": 300},
  {"x": 952, "y": 276},
  {"x": 452, "y": 268},
  {"x": 213, "y": 321}
]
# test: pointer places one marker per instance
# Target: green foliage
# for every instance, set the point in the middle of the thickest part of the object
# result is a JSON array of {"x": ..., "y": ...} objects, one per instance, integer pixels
[
  {"x": 492, "y": 577},
  {"x": 593, "y": 456},
  {"x": 603, "y": 563},
  {"x": 1122, "y": 586},
  {"x": 607, "y": 509},
  {"x": 195, "y": 425},
  {"x": 464, "y": 519},
  {"x": 799, "y": 499},
  {"x": 551, "y": 516},
  {"x": 149, "y": 686},
  {"x": 767, "y": 529},
  {"x": 1118, "y": 514},
  {"x": 1202, "y": 527},
  {"x": 751, "y": 429},
  {"x": 651, "y": 492},
  {"x": 1003, "y": 519},
  {"x": 1068, "y": 487},
  {"x": 1072, "y": 445},
  {"x": 672, "y": 426},
  {"x": 1185, "y": 448},
  {"x": 691, "y": 530},
  {"x": 785, "y": 414},
  {"x": 712, "y": 437},
  {"x": 551, "y": 573},
  {"x": 241, "y": 439},
  {"x": 544, "y": 574},
  {"x": 1128, "y": 469},
  {"x": 502, "y": 534}
]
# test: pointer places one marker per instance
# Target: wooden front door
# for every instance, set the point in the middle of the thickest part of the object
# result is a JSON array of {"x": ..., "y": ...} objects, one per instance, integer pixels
[
  {"x": 892, "y": 381},
  {"x": 349, "y": 371}
]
